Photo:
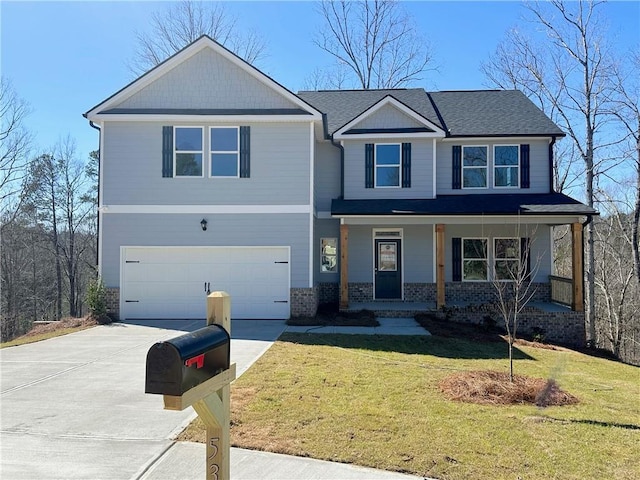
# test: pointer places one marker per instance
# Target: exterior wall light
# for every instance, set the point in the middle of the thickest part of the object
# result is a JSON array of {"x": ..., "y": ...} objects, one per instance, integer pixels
[{"x": 203, "y": 224}]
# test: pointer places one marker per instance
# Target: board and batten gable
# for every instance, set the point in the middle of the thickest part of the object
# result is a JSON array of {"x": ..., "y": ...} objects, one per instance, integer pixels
[
  {"x": 126, "y": 230},
  {"x": 421, "y": 170},
  {"x": 132, "y": 168},
  {"x": 206, "y": 80},
  {"x": 538, "y": 161}
]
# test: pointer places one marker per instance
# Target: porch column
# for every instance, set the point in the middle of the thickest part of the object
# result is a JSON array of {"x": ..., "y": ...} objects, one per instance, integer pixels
[
  {"x": 439, "y": 265},
  {"x": 576, "y": 266},
  {"x": 344, "y": 262}
]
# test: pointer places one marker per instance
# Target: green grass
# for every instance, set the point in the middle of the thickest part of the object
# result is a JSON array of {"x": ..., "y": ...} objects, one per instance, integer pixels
[{"x": 375, "y": 401}]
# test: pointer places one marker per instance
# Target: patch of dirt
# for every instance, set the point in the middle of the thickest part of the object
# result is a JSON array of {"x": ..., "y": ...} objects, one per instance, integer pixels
[
  {"x": 69, "y": 322},
  {"x": 328, "y": 314},
  {"x": 494, "y": 388}
]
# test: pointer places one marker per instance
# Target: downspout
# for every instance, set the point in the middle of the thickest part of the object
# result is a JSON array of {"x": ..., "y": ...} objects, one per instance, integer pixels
[
  {"x": 337, "y": 145},
  {"x": 584, "y": 224},
  {"x": 551, "y": 144},
  {"x": 93, "y": 125}
]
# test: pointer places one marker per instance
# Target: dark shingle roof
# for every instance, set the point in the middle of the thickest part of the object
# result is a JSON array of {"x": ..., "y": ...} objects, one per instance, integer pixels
[
  {"x": 342, "y": 106},
  {"x": 492, "y": 112},
  {"x": 459, "y": 113},
  {"x": 476, "y": 204}
]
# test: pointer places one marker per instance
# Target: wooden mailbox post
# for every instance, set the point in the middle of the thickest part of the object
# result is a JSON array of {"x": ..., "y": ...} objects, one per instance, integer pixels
[{"x": 211, "y": 398}]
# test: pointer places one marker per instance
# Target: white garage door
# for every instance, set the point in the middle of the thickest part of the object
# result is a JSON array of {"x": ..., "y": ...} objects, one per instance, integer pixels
[{"x": 171, "y": 282}]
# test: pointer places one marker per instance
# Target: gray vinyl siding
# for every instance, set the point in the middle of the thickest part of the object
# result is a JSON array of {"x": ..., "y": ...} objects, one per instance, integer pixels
[
  {"x": 224, "y": 230},
  {"x": 132, "y": 168},
  {"x": 325, "y": 228},
  {"x": 541, "y": 248},
  {"x": 327, "y": 175},
  {"x": 388, "y": 117},
  {"x": 417, "y": 247},
  {"x": 421, "y": 171},
  {"x": 207, "y": 80},
  {"x": 538, "y": 160}
]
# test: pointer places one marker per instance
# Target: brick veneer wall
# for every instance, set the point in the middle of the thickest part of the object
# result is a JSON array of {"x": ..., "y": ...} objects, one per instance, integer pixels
[
  {"x": 329, "y": 293},
  {"x": 564, "y": 326},
  {"x": 304, "y": 301},
  {"x": 482, "y": 292},
  {"x": 112, "y": 297}
]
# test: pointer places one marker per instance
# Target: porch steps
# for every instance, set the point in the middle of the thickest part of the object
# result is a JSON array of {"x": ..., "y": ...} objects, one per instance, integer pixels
[{"x": 393, "y": 309}]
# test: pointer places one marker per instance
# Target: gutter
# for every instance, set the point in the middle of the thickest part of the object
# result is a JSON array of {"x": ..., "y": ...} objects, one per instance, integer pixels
[{"x": 93, "y": 125}]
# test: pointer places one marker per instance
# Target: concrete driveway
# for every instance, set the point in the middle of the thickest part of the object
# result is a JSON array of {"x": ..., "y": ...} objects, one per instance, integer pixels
[{"x": 74, "y": 407}]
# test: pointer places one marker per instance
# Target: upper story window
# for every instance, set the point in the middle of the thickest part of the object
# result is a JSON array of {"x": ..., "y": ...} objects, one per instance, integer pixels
[
  {"x": 225, "y": 151},
  {"x": 506, "y": 163},
  {"x": 474, "y": 259},
  {"x": 474, "y": 166},
  {"x": 506, "y": 258},
  {"x": 387, "y": 165},
  {"x": 188, "y": 143}
]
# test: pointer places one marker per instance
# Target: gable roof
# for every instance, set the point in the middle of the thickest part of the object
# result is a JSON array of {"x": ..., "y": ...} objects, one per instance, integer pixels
[
  {"x": 473, "y": 113},
  {"x": 426, "y": 127},
  {"x": 342, "y": 106},
  {"x": 492, "y": 113},
  {"x": 202, "y": 43}
]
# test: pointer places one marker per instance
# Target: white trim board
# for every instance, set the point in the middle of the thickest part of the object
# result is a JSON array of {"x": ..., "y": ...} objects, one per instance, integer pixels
[{"x": 212, "y": 209}]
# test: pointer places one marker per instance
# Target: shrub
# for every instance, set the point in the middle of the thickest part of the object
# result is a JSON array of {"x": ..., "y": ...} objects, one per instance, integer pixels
[{"x": 97, "y": 301}]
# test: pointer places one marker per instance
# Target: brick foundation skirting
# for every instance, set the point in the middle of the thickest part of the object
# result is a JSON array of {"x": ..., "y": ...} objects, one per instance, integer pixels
[
  {"x": 112, "y": 297},
  {"x": 304, "y": 301}
]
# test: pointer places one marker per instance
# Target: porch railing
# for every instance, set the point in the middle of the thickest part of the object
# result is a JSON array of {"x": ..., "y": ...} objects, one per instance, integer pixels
[{"x": 561, "y": 290}]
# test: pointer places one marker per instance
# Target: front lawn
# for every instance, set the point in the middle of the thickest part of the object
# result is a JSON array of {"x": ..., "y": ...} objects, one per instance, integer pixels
[{"x": 376, "y": 401}]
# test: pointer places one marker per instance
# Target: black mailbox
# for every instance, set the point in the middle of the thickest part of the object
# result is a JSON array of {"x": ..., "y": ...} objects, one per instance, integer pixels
[{"x": 179, "y": 364}]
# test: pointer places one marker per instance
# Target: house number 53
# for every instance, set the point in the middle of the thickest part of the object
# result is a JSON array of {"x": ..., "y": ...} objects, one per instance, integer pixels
[{"x": 212, "y": 466}]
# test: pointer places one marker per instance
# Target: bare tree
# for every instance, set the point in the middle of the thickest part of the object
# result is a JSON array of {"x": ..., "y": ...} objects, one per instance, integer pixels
[
  {"x": 626, "y": 109},
  {"x": 182, "y": 23},
  {"x": 15, "y": 140},
  {"x": 512, "y": 281},
  {"x": 569, "y": 75},
  {"x": 375, "y": 40}
]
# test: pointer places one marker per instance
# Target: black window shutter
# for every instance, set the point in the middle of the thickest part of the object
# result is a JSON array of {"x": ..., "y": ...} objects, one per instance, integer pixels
[
  {"x": 524, "y": 166},
  {"x": 368, "y": 165},
  {"x": 406, "y": 165},
  {"x": 456, "y": 166},
  {"x": 245, "y": 152},
  {"x": 525, "y": 254},
  {"x": 456, "y": 258},
  {"x": 167, "y": 151}
]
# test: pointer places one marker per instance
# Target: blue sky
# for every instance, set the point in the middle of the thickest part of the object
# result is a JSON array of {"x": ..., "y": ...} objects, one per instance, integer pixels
[{"x": 65, "y": 57}]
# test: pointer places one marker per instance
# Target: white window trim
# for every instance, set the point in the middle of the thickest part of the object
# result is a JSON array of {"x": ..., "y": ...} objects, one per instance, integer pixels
[
  {"x": 322, "y": 239},
  {"x": 176, "y": 151},
  {"x": 237, "y": 152},
  {"x": 463, "y": 258},
  {"x": 474, "y": 168},
  {"x": 505, "y": 166},
  {"x": 496, "y": 258},
  {"x": 375, "y": 166}
]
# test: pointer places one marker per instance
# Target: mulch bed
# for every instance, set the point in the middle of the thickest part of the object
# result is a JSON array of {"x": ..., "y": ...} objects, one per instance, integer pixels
[
  {"x": 62, "y": 324},
  {"x": 328, "y": 314},
  {"x": 494, "y": 388}
]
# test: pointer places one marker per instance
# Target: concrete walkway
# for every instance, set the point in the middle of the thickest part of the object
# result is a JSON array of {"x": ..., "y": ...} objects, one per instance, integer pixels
[{"x": 74, "y": 407}]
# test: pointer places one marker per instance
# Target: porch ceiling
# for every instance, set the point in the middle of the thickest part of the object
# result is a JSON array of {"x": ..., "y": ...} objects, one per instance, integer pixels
[{"x": 553, "y": 204}]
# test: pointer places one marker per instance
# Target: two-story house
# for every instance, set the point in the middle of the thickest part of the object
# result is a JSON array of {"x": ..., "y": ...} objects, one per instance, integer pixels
[{"x": 213, "y": 176}]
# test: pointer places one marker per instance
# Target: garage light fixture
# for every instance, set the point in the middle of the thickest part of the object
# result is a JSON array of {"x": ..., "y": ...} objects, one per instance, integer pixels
[{"x": 203, "y": 224}]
